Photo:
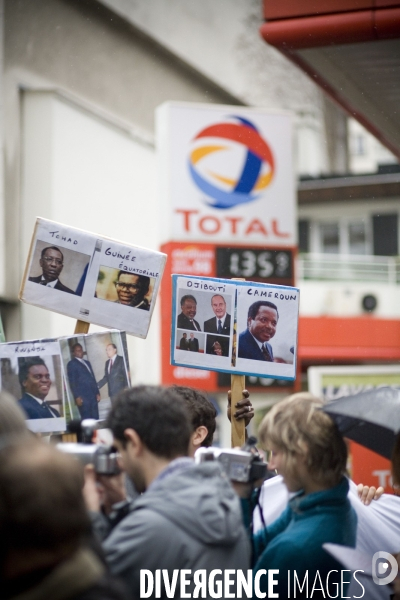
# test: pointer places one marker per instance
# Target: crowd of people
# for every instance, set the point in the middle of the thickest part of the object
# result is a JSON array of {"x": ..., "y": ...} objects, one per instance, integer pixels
[{"x": 167, "y": 525}]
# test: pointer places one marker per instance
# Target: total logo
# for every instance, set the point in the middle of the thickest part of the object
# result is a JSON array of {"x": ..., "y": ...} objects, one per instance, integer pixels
[{"x": 231, "y": 163}]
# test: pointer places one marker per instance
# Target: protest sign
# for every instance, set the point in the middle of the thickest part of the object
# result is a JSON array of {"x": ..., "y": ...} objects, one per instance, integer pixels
[
  {"x": 31, "y": 372},
  {"x": 96, "y": 369},
  {"x": 207, "y": 312},
  {"x": 92, "y": 278}
]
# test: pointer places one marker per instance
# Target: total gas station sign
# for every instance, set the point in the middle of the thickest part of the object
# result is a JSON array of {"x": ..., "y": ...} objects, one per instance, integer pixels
[
  {"x": 227, "y": 198},
  {"x": 226, "y": 175}
]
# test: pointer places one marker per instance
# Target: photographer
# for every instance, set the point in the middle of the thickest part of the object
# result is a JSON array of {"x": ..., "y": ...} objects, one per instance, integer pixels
[
  {"x": 188, "y": 515},
  {"x": 309, "y": 452},
  {"x": 116, "y": 492},
  {"x": 44, "y": 524}
]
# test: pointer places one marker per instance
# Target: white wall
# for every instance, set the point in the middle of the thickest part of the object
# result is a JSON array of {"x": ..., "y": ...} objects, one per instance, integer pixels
[
  {"x": 221, "y": 39},
  {"x": 86, "y": 172},
  {"x": 344, "y": 299},
  {"x": 366, "y": 153}
]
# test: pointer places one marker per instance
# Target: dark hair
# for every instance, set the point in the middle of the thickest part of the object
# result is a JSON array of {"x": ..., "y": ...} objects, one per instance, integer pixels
[
  {"x": 12, "y": 417},
  {"x": 25, "y": 365},
  {"x": 188, "y": 297},
  {"x": 201, "y": 410},
  {"x": 51, "y": 248},
  {"x": 76, "y": 345},
  {"x": 143, "y": 281},
  {"x": 255, "y": 307},
  {"x": 41, "y": 501},
  {"x": 157, "y": 414},
  {"x": 113, "y": 345}
]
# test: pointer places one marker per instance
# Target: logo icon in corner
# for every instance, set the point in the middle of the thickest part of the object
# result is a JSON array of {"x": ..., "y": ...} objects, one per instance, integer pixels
[
  {"x": 231, "y": 163},
  {"x": 380, "y": 568}
]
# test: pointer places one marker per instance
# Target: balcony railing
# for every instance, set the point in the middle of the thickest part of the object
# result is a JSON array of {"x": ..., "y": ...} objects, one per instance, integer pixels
[{"x": 340, "y": 267}]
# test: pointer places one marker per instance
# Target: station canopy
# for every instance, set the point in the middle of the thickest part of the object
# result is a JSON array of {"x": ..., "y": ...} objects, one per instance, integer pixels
[{"x": 351, "y": 49}]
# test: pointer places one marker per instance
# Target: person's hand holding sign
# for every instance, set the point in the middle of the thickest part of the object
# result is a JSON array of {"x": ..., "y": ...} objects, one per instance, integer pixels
[{"x": 244, "y": 408}]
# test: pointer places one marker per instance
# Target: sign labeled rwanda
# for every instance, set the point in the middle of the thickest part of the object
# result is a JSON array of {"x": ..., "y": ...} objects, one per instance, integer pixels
[{"x": 226, "y": 174}]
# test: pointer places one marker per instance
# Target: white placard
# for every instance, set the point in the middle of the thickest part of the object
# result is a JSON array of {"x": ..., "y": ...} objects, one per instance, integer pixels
[
  {"x": 92, "y": 278},
  {"x": 31, "y": 372},
  {"x": 208, "y": 311},
  {"x": 226, "y": 174}
]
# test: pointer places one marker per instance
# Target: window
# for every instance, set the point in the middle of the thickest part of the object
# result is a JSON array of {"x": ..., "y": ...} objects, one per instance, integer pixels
[
  {"x": 343, "y": 236},
  {"x": 329, "y": 238},
  {"x": 357, "y": 238},
  {"x": 359, "y": 144},
  {"x": 304, "y": 237},
  {"x": 386, "y": 234}
]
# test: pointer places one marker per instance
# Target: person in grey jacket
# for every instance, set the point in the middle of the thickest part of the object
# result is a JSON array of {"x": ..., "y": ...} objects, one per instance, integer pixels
[{"x": 188, "y": 516}]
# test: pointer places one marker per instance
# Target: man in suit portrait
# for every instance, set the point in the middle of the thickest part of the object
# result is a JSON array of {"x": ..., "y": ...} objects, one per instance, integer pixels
[
  {"x": 262, "y": 320},
  {"x": 51, "y": 262},
  {"x": 184, "y": 342},
  {"x": 35, "y": 381},
  {"x": 221, "y": 323},
  {"x": 186, "y": 319},
  {"x": 114, "y": 372},
  {"x": 193, "y": 343},
  {"x": 132, "y": 289},
  {"x": 83, "y": 384}
]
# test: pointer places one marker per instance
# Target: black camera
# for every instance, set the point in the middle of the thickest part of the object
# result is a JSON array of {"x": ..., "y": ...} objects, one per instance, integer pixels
[
  {"x": 103, "y": 458},
  {"x": 245, "y": 465}
]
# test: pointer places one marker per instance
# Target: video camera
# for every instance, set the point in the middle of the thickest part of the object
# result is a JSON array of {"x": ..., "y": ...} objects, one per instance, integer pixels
[
  {"x": 103, "y": 458},
  {"x": 244, "y": 466}
]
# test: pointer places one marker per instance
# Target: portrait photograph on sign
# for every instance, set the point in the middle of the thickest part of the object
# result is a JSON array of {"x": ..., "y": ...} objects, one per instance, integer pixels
[
  {"x": 62, "y": 270},
  {"x": 267, "y": 323},
  {"x": 203, "y": 322},
  {"x": 31, "y": 372},
  {"x": 92, "y": 278},
  {"x": 96, "y": 369},
  {"x": 264, "y": 316},
  {"x": 128, "y": 289},
  {"x": 217, "y": 345},
  {"x": 190, "y": 341}
]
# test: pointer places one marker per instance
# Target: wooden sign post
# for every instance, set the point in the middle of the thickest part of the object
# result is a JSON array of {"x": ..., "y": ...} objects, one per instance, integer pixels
[
  {"x": 238, "y": 384},
  {"x": 82, "y": 327}
]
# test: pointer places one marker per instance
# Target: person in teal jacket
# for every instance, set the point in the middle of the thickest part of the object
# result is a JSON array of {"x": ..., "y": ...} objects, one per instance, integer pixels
[{"x": 307, "y": 449}]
